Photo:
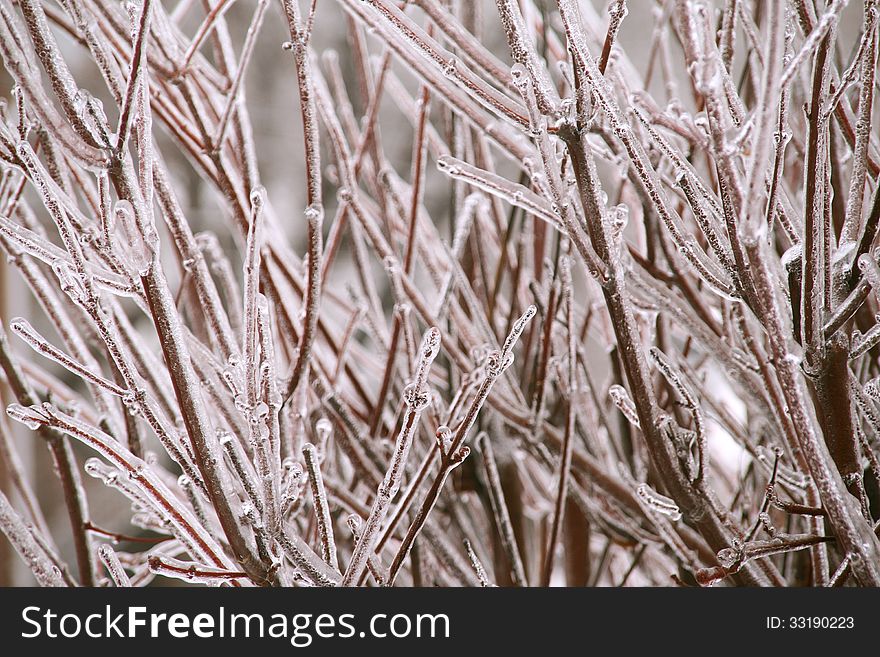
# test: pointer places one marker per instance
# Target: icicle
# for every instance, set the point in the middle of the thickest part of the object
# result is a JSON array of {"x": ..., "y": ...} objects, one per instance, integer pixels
[
  {"x": 136, "y": 246},
  {"x": 324, "y": 431},
  {"x": 624, "y": 404},
  {"x": 659, "y": 503}
]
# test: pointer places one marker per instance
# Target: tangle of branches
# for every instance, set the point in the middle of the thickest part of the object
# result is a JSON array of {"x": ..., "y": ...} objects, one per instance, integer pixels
[{"x": 609, "y": 317}]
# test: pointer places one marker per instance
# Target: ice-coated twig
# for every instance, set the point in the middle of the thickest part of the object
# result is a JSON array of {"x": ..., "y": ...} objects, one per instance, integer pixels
[
  {"x": 477, "y": 564},
  {"x": 689, "y": 398},
  {"x": 621, "y": 399},
  {"x": 571, "y": 419},
  {"x": 38, "y": 343},
  {"x": 204, "y": 30},
  {"x": 452, "y": 450},
  {"x": 355, "y": 524},
  {"x": 523, "y": 52},
  {"x": 500, "y": 511},
  {"x": 136, "y": 71},
  {"x": 852, "y": 226},
  {"x": 150, "y": 486},
  {"x": 617, "y": 11},
  {"x": 416, "y": 398},
  {"x": 251, "y": 265},
  {"x": 65, "y": 464},
  {"x": 657, "y": 502},
  {"x": 189, "y": 571},
  {"x": 513, "y": 193},
  {"x": 826, "y": 22},
  {"x": 233, "y": 96},
  {"x": 305, "y": 559},
  {"x": 321, "y": 504},
  {"x": 314, "y": 217},
  {"x": 109, "y": 558},
  {"x": 241, "y": 467},
  {"x": 22, "y": 538}
]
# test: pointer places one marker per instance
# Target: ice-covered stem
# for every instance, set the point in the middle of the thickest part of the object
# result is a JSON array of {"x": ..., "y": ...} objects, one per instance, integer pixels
[
  {"x": 416, "y": 398},
  {"x": 298, "y": 45},
  {"x": 451, "y": 446},
  {"x": 813, "y": 281},
  {"x": 16, "y": 482},
  {"x": 117, "y": 573},
  {"x": 470, "y": 98},
  {"x": 628, "y": 336},
  {"x": 419, "y": 159},
  {"x": 819, "y": 33},
  {"x": 513, "y": 193},
  {"x": 209, "y": 258},
  {"x": 477, "y": 564},
  {"x": 365, "y": 143},
  {"x": 268, "y": 447},
  {"x": 617, "y": 11},
  {"x": 195, "y": 418},
  {"x": 322, "y": 506},
  {"x": 234, "y": 451},
  {"x": 560, "y": 205},
  {"x": 571, "y": 417},
  {"x": 65, "y": 465},
  {"x": 305, "y": 559},
  {"x": 414, "y": 38},
  {"x": 500, "y": 510},
  {"x": 733, "y": 559},
  {"x": 429, "y": 502},
  {"x": 315, "y": 218},
  {"x": 419, "y": 162},
  {"x": 355, "y": 524},
  {"x": 136, "y": 72},
  {"x": 314, "y": 211},
  {"x": 545, "y": 353},
  {"x": 189, "y": 571},
  {"x": 63, "y": 83},
  {"x": 205, "y": 28},
  {"x": 233, "y": 97},
  {"x": 522, "y": 51},
  {"x": 38, "y": 343},
  {"x": 152, "y": 489},
  {"x": 624, "y": 403},
  {"x": 766, "y": 115},
  {"x": 689, "y": 399},
  {"x": 837, "y": 413},
  {"x": 28, "y": 547},
  {"x": 852, "y": 226},
  {"x": 854, "y": 535},
  {"x": 465, "y": 40},
  {"x": 252, "y": 260}
]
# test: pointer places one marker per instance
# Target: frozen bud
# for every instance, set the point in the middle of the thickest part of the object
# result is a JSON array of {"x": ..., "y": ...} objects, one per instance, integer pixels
[
  {"x": 258, "y": 198},
  {"x": 30, "y": 416},
  {"x": 444, "y": 438},
  {"x": 728, "y": 556},
  {"x": 415, "y": 399},
  {"x": 624, "y": 404}
]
